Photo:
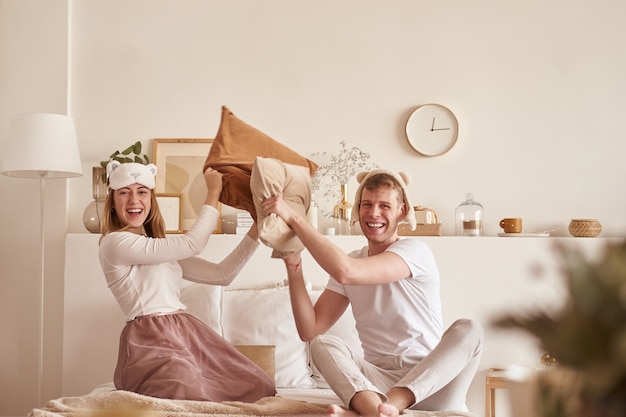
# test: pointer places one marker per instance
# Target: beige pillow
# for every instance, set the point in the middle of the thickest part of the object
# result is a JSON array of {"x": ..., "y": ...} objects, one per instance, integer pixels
[
  {"x": 263, "y": 355},
  {"x": 272, "y": 177},
  {"x": 233, "y": 151}
]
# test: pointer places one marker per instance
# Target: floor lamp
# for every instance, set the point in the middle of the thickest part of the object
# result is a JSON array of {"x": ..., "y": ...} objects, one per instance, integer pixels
[{"x": 41, "y": 146}]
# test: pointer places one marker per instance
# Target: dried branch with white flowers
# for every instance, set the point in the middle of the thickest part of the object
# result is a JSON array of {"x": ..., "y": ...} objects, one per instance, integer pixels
[{"x": 335, "y": 170}]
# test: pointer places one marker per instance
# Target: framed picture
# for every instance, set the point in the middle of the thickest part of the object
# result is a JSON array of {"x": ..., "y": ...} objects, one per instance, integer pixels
[
  {"x": 171, "y": 210},
  {"x": 179, "y": 171}
]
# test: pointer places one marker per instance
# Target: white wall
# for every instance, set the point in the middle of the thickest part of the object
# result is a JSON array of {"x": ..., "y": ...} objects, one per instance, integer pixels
[
  {"x": 33, "y": 78},
  {"x": 538, "y": 89}
]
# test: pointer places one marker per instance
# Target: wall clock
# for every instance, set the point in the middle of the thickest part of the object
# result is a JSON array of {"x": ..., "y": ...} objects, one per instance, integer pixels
[{"x": 432, "y": 129}]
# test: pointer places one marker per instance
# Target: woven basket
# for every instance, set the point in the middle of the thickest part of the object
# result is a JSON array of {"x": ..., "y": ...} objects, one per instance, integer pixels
[{"x": 585, "y": 227}]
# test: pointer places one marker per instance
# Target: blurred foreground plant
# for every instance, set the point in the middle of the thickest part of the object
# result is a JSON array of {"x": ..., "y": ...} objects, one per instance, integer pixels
[{"x": 588, "y": 335}]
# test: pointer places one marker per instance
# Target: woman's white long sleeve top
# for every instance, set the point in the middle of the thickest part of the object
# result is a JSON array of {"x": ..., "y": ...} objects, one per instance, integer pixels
[{"x": 145, "y": 274}]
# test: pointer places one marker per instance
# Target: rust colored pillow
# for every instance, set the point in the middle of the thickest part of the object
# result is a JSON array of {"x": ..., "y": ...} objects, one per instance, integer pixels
[{"x": 234, "y": 149}]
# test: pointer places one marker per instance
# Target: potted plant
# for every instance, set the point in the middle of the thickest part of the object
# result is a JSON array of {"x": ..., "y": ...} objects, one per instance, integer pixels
[
  {"x": 587, "y": 336},
  {"x": 130, "y": 154}
]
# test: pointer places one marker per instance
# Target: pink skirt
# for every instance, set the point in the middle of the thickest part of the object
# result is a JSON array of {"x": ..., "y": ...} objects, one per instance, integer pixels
[{"x": 177, "y": 356}]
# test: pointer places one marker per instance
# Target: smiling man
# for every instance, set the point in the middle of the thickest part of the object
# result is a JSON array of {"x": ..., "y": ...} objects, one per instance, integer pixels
[{"x": 393, "y": 286}]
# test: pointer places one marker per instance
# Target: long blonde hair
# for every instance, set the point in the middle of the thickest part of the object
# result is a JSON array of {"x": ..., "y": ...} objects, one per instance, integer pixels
[{"x": 154, "y": 224}]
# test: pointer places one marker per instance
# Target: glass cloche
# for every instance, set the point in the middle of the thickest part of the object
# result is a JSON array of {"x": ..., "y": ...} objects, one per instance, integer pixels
[{"x": 470, "y": 217}]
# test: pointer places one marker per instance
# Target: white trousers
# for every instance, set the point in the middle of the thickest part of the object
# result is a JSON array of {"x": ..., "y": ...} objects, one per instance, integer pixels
[{"x": 439, "y": 381}]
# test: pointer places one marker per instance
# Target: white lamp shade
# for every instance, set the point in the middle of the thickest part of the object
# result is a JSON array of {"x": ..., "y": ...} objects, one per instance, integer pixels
[{"x": 41, "y": 145}]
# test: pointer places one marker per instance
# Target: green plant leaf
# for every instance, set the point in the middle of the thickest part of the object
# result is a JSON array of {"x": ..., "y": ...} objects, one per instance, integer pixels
[{"x": 130, "y": 154}]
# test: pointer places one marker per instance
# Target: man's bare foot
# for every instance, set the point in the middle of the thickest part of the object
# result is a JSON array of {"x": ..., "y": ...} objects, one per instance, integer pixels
[
  {"x": 384, "y": 410},
  {"x": 388, "y": 410},
  {"x": 338, "y": 411}
]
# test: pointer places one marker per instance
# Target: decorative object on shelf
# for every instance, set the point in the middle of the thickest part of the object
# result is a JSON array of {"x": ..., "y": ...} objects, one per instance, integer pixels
[
  {"x": 334, "y": 172},
  {"x": 170, "y": 206},
  {"x": 585, "y": 335},
  {"x": 469, "y": 217},
  {"x": 547, "y": 359},
  {"x": 585, "y": 227},
  {"x": 243, "y": 222},
  {"x": 512, "y": 225},
  {"x": 525, "y": 234},
  {"x": 41, "y": 146},
  {"x": 427, "y": 223},
  {"x": 342, "y": 212},
  {"x": 432, "y": 129},
  {"x": 424, "y": 215},
  {"x": 93, "y": 212}
]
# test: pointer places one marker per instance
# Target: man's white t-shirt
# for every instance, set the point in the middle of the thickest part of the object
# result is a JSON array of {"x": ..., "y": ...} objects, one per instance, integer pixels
[{"x": 402, "y": 318}]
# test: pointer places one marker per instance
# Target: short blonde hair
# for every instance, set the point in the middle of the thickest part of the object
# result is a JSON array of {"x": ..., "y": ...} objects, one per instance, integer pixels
[{"x": 383, "y": 180}]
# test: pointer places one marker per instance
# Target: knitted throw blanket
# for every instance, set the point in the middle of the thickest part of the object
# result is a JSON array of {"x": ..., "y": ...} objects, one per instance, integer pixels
[{"x": 128, "y": 404}]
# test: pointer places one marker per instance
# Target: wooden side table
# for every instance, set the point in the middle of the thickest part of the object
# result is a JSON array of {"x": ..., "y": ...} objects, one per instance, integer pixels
[{"x": 496, "y": 378}]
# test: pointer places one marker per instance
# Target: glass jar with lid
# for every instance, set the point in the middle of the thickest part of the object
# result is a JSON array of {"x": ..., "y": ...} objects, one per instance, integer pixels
[{"x": 469, "y": 216}]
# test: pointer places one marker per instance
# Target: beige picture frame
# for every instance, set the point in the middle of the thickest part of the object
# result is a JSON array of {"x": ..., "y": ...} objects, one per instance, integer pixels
[
  {"x": 170, "y": 206},
  {"x": 179, "y": 164}
]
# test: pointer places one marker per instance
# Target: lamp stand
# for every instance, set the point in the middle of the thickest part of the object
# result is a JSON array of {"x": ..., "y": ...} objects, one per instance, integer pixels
[
  {"x": 42, "y": 176},
  {"x": 41, "y": 145}
]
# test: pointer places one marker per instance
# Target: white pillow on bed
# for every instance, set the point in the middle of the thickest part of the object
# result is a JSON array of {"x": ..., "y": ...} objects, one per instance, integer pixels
[
  {"x": 205, "y": 303},
  {"x": 263, "y": 316}
]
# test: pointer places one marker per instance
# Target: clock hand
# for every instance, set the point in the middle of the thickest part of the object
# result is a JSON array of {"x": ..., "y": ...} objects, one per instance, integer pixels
[
  {"x": 441, "y": 128},
  {"x": 433, "y": 125}
]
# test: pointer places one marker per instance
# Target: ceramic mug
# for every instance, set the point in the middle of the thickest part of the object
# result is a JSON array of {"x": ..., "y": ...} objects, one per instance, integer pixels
[{"x": 511, "y": 225}]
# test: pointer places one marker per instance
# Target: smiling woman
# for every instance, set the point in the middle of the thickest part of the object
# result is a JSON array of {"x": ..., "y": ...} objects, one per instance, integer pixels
[
  {"x": 131, "y": 204},
  {"x": 144, "y": 270}
]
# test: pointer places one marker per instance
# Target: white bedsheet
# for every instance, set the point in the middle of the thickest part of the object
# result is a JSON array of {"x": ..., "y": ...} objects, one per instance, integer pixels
[{"x": 324, "y": 396}]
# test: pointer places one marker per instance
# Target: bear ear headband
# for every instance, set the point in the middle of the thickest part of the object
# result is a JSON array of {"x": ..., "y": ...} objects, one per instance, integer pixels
[
  {"x": 401, "y": 178},
  {"x": 122, "y": 175}
]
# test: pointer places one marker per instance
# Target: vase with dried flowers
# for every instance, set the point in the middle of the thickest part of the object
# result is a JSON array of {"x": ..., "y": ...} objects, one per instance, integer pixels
[
  {"x": 330, "y": 182},
  {"x": 587, "y": 336}
]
